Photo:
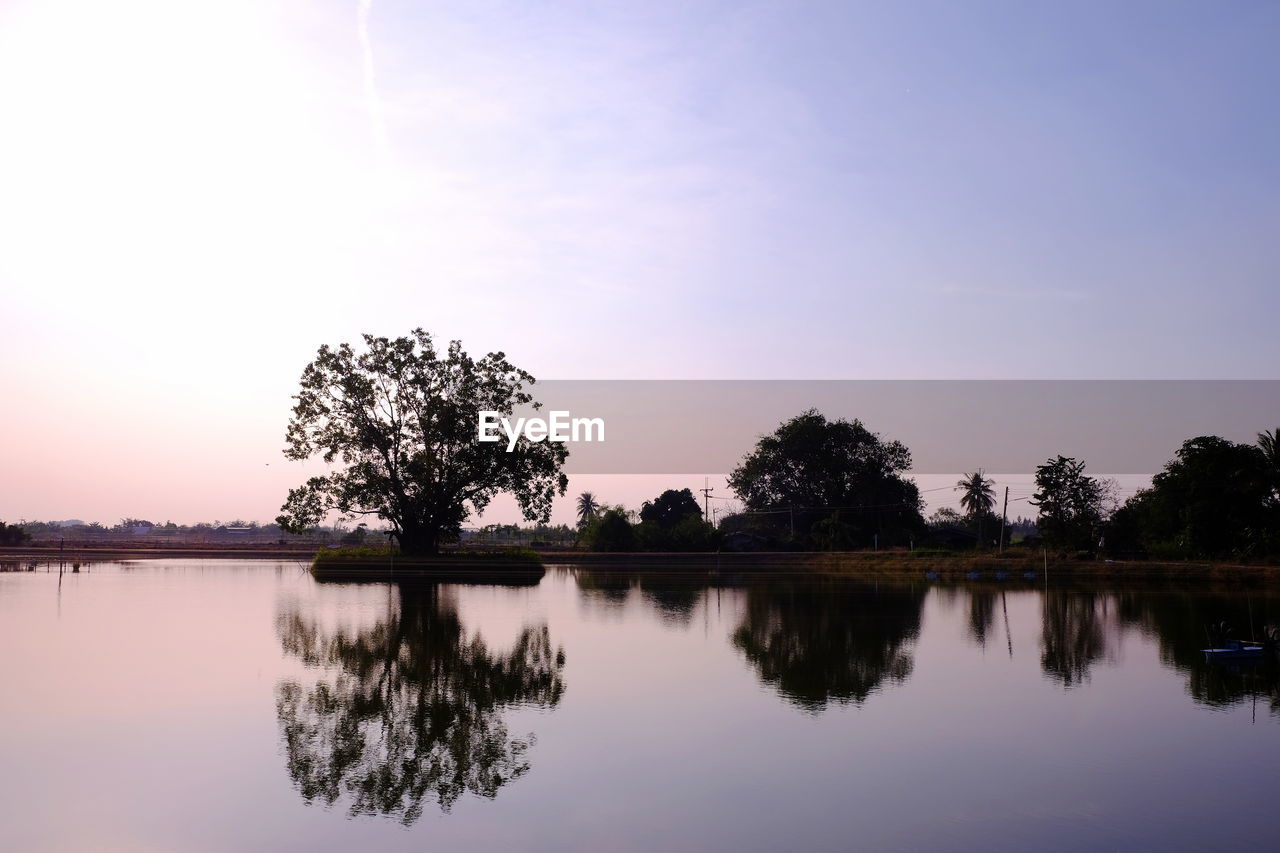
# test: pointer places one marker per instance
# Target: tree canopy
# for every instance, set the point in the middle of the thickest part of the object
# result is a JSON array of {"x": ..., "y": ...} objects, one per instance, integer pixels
[
  {"x": 588, "y": 508},
  {"x": 670, "y": 508},
  {"x": 978, "y": 495},
  {"x": 13, "y": 534},
  {"x": 1070, "y": 503},
  {"x": 1215, "y": 498},
  {"x": 400, "y": 419},
  {"x": 811, "y": 467}
]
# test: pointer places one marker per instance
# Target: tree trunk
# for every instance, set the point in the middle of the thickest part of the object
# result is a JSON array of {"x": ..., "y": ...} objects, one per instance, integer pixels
[{"x": 418, "y": 542}]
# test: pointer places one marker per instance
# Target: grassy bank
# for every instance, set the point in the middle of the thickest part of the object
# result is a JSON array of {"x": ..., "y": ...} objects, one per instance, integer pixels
[{"x": 382, "y": 564}]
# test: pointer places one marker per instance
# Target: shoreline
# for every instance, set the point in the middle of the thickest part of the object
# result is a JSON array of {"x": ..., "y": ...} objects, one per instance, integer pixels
[
  {"x": 898, "y": 564},
  {"x": 135, "y": 552}
]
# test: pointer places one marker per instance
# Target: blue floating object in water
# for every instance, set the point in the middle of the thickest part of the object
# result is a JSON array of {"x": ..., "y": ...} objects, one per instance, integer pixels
[
  {"x": 933, "y": 576},
  {"x": 1028, "y": 575},
  {"x": 973, "y": 576},
  {"x": 1234, "y": 650}
]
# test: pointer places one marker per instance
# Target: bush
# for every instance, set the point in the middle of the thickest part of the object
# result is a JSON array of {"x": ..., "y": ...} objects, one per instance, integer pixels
[
  {"x": 13, "y": 534},
  {"x": 610, "y": 532}
]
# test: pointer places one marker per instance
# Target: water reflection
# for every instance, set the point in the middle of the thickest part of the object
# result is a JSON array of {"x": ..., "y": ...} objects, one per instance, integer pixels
[
  {"x": 674, "y": 597},
  {"x": 982, "y": 615},
  {"x": 1072, "y": 634},
  {"x": 607, "y": 590},
  {"x": 825, "y": 641},
  {"x": 1182, "y": 622},
  {"x": 409, "y": 710}
]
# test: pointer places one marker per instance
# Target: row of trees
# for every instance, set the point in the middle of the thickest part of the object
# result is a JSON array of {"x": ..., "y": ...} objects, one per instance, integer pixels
[
  {"x": 1215, "y": 499},
  {"x": 13, "y": 534},
  {"x": 833, "y": 485},
  {"x": 235, "y": 530},
  {"x": 673, "y": 521},
  {"x": 396, "y": 420}
]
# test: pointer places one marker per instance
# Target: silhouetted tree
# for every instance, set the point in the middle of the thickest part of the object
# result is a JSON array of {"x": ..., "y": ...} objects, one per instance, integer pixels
[
  {"x": 810, "y": 467},
  {"x": 401, "y": 419},
  {"x": 1071, "y": 504},
  {"x": 588, "y": 508},
  {"x": 674, "y": 522},
  {"x": 670, "y": 508},
  {"x": 1269, "y": 444},
  {"x": 1215, "y": 498},
  {"x": 610, "y": 531},
  {"x": 978, "y": 495},
  {"x": 13, "y": 534}
]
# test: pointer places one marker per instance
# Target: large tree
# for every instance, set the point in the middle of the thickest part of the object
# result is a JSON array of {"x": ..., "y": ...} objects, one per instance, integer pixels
[
  {"x": 670, "y": 508},
  {"x": 673, "y": 521},
  {"x": 399, "y": 419},
  {"x": 1215, "y": 498},
  {"x": 810, "y": 467}
]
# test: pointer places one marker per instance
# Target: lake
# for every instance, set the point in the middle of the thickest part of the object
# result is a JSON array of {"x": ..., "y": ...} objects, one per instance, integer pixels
[{"x": 189, "y": 705}]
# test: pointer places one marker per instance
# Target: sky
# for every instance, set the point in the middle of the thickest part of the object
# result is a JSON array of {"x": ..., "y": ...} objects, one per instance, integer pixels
[{"x": 195, "y": 196}]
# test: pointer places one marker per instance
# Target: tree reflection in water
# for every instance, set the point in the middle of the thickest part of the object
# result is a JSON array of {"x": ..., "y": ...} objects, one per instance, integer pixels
[
  {"x": 982, "y": 615},
  {"x": 1072, "y": 634},
  {"x": 1182, "y": 623},
  {"x": 673, "y": 597},
  {"x": 409, "y": 710},
  {"x": 828, "y": 641}
]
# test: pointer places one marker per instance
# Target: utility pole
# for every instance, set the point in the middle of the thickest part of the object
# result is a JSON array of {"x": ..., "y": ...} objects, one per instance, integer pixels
[
  {"x": 1004, "y": 515},
  {"x": 706, "y": 499}
]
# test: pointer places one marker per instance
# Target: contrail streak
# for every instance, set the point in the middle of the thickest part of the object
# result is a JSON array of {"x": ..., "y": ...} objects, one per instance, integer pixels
[{"x": 372, "y": 102}]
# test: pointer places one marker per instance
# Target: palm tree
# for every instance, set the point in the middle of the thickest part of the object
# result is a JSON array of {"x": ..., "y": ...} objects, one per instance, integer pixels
[
  {"x": 1270, "y": 444},
  {"x": 588, "y": 508},
  {"x": 979, "y": 496}
]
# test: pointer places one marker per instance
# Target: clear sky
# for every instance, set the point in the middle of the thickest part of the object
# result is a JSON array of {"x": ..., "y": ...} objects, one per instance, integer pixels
[{"x": 193, "y": 197}]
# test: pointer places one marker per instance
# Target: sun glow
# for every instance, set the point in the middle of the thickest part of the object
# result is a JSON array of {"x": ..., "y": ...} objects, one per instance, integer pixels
[{"x": 161, "y": 154}]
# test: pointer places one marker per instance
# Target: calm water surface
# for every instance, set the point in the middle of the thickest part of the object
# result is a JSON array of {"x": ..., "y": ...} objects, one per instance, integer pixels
[{"x": 216, "y": 705}]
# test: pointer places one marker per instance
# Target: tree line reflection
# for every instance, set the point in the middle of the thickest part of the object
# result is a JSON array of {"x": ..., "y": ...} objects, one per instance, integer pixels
[
  {"x": 411, "y": 709},
  {"x": 839, "y": 640}
]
